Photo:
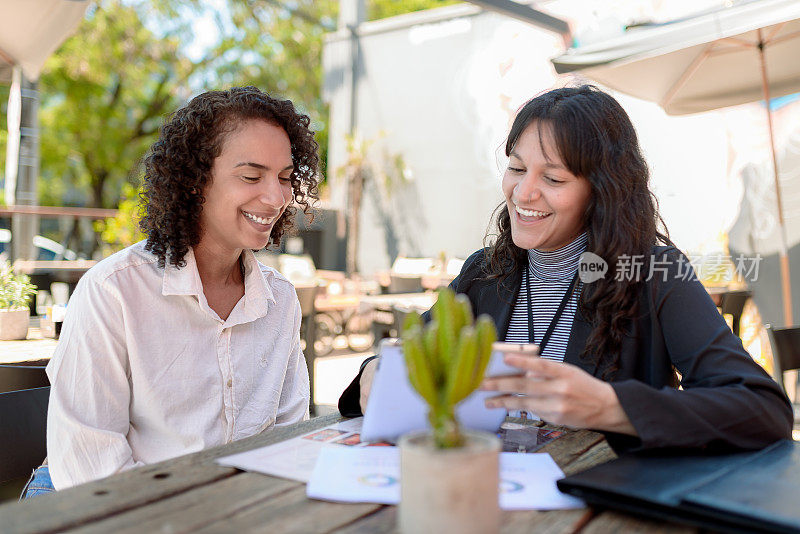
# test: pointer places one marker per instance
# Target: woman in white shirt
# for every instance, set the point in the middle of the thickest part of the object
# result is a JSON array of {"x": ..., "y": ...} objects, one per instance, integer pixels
[{"x": 184, "y": 341}]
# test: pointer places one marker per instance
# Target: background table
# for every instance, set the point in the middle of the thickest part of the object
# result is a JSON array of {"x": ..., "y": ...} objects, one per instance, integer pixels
[{"x": 193, "y": 494}]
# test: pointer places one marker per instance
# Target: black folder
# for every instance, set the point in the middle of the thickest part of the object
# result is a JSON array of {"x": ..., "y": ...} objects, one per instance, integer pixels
[{"x": 743, "y": 492}]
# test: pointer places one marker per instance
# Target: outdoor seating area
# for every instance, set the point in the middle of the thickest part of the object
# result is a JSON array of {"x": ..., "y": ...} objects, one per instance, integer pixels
[{"x": 362, "y": 266}]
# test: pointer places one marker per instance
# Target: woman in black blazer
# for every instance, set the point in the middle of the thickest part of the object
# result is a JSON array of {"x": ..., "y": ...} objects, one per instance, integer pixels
[{"x": 616, "y": 340}]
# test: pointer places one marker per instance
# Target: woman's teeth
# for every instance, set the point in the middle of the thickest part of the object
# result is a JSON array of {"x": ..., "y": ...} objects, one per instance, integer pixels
[
  {"x": 259, "y": 220},
  {"x": 531, "y": 213}
]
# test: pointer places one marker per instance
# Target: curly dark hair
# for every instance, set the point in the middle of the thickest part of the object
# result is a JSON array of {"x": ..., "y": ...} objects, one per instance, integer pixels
[
  {"x": 596, "y": 140},
  {"x": 178, "y": 166}
]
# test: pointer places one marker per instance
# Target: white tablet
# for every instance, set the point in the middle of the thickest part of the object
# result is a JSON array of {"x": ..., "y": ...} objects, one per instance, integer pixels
[{"x": 395, "y": 408}]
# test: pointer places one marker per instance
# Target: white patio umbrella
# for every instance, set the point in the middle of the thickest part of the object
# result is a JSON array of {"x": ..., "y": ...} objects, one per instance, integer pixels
[
  {"x": 30, "y": 30},
  {"x": 740, "y": 54}
]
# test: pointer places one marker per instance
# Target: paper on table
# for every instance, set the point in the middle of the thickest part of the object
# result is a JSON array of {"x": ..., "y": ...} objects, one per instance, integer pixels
[
  {"x": 295, "y": 458},
  {"x": 528, "y": 482},
  {"x": 368, "y": 474},
  {"x": 372, "y": 474}
]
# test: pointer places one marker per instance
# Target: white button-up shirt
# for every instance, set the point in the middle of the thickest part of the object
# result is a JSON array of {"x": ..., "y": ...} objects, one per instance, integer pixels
[{"x": 145, "y": 370}]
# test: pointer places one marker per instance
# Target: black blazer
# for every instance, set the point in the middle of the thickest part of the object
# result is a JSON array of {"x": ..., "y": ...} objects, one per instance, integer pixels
[{"x": 727, "y": 400}]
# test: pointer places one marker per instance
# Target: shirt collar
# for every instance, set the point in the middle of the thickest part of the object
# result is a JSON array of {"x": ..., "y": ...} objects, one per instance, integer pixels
[
  {"x": 560, "y": 263},
  {"x": 257, "y": 291},
  {"x": 182, "y": 280}
]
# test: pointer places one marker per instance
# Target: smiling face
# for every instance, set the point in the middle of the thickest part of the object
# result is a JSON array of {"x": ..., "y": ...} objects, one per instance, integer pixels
[
  {"x": 250, "y": 188},
  {"x": 545, "y": 201}
]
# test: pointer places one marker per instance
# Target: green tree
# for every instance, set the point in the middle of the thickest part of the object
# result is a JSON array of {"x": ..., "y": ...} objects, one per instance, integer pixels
[
  {"x": 104, "y": 94},
  {"x": 381, "y": 9},
  {"x": 106, "y": 91}
]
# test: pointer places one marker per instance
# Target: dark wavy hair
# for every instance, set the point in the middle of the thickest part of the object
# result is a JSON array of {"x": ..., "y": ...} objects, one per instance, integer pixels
[
  {"x": 178, "y": 166},
  {"x": 596, "y": 140}
]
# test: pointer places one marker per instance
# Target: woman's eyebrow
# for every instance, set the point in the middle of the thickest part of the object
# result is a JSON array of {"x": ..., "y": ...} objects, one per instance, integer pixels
[
  {"x": 551, "y": 165},
  {"x": 259, "y": 166}
]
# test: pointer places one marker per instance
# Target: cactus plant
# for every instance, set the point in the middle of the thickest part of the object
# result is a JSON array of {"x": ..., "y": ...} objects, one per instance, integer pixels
[{"x": 446, "y": 360}]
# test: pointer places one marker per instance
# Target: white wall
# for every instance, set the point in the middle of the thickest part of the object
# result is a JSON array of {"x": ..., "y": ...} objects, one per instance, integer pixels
[{"x": 442, "y": 90}]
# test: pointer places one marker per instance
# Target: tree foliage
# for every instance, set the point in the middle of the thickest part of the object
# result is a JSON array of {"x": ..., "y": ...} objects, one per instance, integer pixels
[
  {"x": 381, "y": 9},
  {"x": 104, "y": 95},
  {"x": 107, "y": 89}
]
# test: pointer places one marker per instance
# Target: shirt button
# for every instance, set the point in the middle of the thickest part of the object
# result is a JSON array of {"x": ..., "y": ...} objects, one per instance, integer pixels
[{"x": 230, "y": 382}]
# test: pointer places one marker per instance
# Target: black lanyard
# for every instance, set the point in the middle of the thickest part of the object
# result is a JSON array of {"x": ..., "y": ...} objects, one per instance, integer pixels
[{"x": 556, "y": 317}]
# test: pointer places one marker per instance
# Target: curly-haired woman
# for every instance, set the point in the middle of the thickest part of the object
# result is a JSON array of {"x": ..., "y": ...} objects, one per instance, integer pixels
[
  {"x": 185, "y": 341},
  {"x": 577, "y": 182}
]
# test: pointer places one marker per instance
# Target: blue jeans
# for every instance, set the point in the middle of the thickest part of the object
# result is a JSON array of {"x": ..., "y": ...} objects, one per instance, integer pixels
[{"x": 39, "y": 484}]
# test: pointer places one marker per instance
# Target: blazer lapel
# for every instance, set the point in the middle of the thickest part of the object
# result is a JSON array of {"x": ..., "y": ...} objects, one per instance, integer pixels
[
  {"x": 577, "y": 341},
  {"x": 497, "y": 300}
]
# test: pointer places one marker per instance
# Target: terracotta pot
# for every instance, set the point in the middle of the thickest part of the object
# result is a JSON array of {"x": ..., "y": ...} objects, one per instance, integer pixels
[
  {"x": 449, "y": 490},
  {"x": 14, "y": 324}
]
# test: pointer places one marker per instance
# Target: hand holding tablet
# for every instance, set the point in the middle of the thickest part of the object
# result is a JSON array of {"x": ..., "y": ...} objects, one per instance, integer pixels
[
  {"x": 499, "y": 367},
  {"x": 394, "y": 408}
]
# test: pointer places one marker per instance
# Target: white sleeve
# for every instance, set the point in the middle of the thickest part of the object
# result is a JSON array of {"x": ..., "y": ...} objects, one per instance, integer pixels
[
  {"x": 88, "y": 415},
  {"x": 293, "y": 406}
]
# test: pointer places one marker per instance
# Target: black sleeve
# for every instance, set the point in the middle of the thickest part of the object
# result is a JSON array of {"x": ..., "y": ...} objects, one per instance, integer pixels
[
  {"x": 727, "y": 400},
  {"x": 350, "y": 400}
]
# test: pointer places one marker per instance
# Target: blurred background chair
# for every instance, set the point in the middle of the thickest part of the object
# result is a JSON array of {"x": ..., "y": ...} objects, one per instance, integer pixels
[
  {"x": 404, "y": 283},
  {"x": 307, "y": 294},
  {"x": 400, "y": 312},
  {"x": 733, "y": 303},
  {"x": 23, "y": 436},
  {"x": 785, "y": 343},
  {"x": 406, "y": 274},
  {"x": 16, "y": 377}
]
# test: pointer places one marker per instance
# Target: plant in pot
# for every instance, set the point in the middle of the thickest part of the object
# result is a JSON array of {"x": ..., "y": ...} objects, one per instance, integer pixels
[
  {"x": 15, "y": 294},
  {"x": 449, "y": 475}
]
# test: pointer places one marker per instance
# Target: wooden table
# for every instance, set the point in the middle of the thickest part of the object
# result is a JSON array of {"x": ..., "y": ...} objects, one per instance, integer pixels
[
  {"x": 193, "y": 494},
  {"x": 34, "y": 348}
]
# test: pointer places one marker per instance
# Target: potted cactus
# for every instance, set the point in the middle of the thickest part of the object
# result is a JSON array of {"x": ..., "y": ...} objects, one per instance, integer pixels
[
  {"x": 449, "y": 475},
  {"x": 15, "y": 294}
]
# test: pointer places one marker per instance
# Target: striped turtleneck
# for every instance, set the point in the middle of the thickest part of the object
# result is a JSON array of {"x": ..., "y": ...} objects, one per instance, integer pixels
[{"x": 550, "y": 273}]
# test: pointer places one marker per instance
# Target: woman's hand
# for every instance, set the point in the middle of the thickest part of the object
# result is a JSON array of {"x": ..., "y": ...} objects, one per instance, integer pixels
[
  {"x": 366, "y": 383},
  {"x": 559, "y": 393}
]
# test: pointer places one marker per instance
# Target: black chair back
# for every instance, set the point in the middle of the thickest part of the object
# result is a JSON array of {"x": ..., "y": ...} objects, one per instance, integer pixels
[
  {"x": 308, "y": 330},
  {"x": 733, "y": 303},
  {"x": 405, "y": 284},
  {"x": 400, "y": 312},
  {"x": 23, "y": 431},
  {"x": 16, "y": 377},
  {"x": 307, "y": 295},
  {"x": 785, "y": 350}
]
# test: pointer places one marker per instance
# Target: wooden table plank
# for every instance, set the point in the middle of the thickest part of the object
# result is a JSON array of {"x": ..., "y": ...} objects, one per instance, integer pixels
[
  {"x": 556, "y": 521},
  {"x": 82, "y": 504},
  {"x": 614, "y": 522},
  {"x": 193, "y": 494},
  {"x": 597, "y": 454},
  {"x": 292, "y": 512},
  {"x": 138, "y": 487},
  {"x": 571, "y": 446},
  {"x": 196, "y": 508},
  {"x": 382, "y": 521}
]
